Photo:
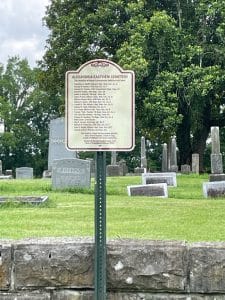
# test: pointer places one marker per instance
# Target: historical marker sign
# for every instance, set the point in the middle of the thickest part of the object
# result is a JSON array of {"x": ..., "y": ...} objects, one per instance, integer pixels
[
  {"x": 100, "y": 117},
  {"x": 100, "y": 107}
]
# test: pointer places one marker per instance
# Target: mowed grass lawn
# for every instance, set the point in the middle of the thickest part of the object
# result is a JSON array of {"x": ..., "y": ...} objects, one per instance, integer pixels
[{"x": 185, "y": 215}]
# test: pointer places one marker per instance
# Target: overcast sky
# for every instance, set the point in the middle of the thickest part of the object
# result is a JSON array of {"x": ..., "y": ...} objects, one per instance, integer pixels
[{"x": 21, "y": 29}]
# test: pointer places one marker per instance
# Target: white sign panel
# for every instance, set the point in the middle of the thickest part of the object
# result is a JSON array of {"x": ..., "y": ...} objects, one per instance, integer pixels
[{"x": 100, "y": 107}]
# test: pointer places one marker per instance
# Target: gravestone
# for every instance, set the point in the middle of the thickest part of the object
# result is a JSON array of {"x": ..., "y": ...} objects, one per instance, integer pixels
[
  {"x": 216, "y": 177},
  {"x": 9, "y": 172},
  {"x": 173, "y": 158},
  {"x": 139, "y": 170},
  {"x": 170, "y": 178},
  {"x": 216, "y": 186},
  {"x": 143, "y": 154},
  {"x": 93, "y": 167},
  {"x": 7, "y": 175},
  {"x": 123, "y": 167},
  {"x": 113, "y": 169},
  {"x": 164, "y": 158},
  {"x": 57, "y": 148},
  {"x": 70, "y": 173},
  {"x": 216, "y": 156},
  {"x": 185, "y": 169},
  {"x": 24, "y": 199},
  {"x": 24, "y": 173},
  {"x": 113, "y": 158},
  {"x": 46, "y": 174},
  {"x": 149, "y": 190},
  {"x": 214, "y": 189},
  {"x": 195, "y": 163},
  {"x": 2, "y": 177}
]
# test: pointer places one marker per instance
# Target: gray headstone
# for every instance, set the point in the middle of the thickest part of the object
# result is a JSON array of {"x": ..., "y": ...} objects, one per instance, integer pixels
[
  {"x": 57, "y": 148},
  {"x": 24, "y": 173},
  {"x": 214, "y": 189},
  {"x": 164, "y": 158},
  {"x": 69, "y": 173},
  {"x": 123, "y": 167},
  {"x": 113, "y": 158},
  {"x": 2, "y": 177},
  {"x": 170, "y": 178},
  {"x": 150, "y": 190},
  {"x": 216, "y": 163},
  {"x": 173, "y": 159},
  {"x": 185, "y": 169},
  {"x": 9, "y": 172},
  {"x": 216, "y": 156},
  {"x": 143, "y": 153},
  {"x": 138, "y": 170},
  {"x": 195, "y": 163},
  {"x": 24, "y": 199},
  {"x": 215, "y": 140},
  {"x": 113, "y": 170},
  {"x": 93, "y": 167},
  {"x": 47, "y": 174},
  {"x": 217, "y": 177}
]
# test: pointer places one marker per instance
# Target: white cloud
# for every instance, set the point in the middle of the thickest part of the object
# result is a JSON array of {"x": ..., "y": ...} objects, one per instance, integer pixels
[{"x": 21, "y": 29}]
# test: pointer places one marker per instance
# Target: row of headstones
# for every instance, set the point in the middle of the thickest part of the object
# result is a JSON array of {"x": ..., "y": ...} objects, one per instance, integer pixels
[
  {"x": 169, "y": 159},
  {"x": 66, "y": 169},
  {"x": 154, "y": 185},
  {"x": 64, "y": 166},
  {"x": 21, "y": 173},
  {"x": 157, "y": 186},
  {"x": 171, "y": 165},
  {"x": 71, "y": 171}
]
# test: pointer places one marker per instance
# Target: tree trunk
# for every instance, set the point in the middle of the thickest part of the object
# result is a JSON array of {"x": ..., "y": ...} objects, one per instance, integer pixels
[
  {"x": 183, "y": 135},
  {"x": 199, "y": 144}
]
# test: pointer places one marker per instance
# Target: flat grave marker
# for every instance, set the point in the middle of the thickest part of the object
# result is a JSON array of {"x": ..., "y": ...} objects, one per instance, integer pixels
[{"x": 149, "y": 190}]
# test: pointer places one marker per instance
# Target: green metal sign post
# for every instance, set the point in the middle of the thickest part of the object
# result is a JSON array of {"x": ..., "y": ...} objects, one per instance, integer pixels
[
  {"x": 100, "y": 227},
  {"x": 100, "y": 111}
]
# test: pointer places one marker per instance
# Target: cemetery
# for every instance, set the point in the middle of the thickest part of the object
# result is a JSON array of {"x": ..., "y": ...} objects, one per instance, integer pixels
[
  {"x": 58, "y": 260},
  {"x": 159, "y": 234},
  {"x": 112, "y": 152}
]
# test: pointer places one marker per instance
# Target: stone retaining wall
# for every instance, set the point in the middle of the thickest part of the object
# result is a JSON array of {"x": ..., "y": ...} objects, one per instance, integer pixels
[{"x": 62, "y": 269}]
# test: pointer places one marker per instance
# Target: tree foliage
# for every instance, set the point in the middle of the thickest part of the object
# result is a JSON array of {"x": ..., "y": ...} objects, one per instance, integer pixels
[
  {"x": 25, "y": 110},
  {"x": 176, "y": 49}
]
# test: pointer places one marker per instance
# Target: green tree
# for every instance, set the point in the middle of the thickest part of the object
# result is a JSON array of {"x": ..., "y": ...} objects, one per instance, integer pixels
[
  {"x": 24, "y": 109},
  {"x": 176, "y": 49}
]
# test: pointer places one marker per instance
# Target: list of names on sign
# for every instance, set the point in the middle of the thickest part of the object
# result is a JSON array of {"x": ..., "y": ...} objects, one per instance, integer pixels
[{"x": 100, "y": 107}]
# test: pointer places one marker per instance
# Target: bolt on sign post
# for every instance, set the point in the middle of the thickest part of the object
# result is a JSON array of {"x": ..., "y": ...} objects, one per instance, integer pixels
[{"x": 100, "y": 117}]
